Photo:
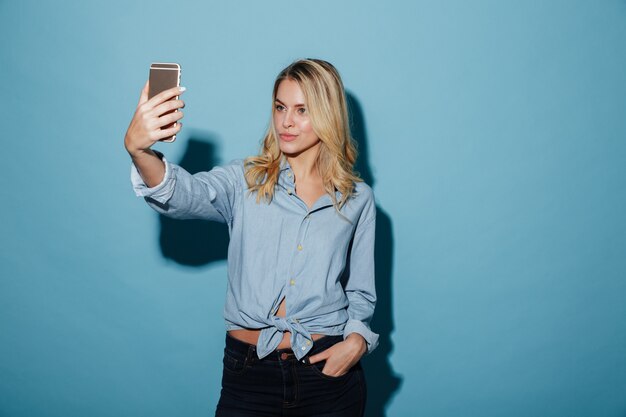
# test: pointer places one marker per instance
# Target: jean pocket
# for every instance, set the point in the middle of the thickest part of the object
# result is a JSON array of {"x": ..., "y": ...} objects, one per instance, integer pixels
[
  {"x": 317, "y": 368},
  {"x": 234, "y": 363}
]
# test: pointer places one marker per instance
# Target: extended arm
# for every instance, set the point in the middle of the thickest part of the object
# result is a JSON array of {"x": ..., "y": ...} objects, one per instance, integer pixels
[
  {"x": 145, "y": 130},
  {"x": 206, "y": 195},
  {"x": 167, "y": 187}
]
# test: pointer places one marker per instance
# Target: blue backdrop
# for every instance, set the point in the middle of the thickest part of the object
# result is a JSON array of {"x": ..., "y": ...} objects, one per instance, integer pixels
[{"x": 492, "y": 132}]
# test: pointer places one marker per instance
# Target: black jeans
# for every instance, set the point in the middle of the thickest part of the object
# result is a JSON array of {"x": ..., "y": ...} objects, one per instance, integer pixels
[{"x": 280, "y": 385}]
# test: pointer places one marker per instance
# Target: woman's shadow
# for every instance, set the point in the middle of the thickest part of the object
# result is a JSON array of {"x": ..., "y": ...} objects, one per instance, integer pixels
[
  {"x": 383, "y": 383},
  {"x": 198, "y": 242},
  {"x": 195, "y": 242}
]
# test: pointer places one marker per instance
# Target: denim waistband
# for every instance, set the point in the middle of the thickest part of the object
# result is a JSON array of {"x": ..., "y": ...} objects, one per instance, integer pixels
[{"x": 246, "y": 349}]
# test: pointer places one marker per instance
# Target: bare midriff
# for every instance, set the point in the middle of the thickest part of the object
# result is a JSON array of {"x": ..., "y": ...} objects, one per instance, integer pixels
[{"x": 252, "y": 336}]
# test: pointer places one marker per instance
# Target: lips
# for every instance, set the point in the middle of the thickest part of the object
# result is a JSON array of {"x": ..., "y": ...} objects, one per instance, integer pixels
[{"x": 288, "y": 137}]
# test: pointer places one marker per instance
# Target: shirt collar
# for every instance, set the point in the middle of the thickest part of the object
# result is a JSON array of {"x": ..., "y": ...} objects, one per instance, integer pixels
[{"x": 284, "y": 164}]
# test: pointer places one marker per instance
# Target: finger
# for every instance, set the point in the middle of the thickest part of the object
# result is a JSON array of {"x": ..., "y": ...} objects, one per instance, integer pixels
[
  {"x": 143, "y": 97},
  {"x": 169, "y": 105},
  {"x": 336, "y": 368},
  {"x": 332, "y": 369},
  {"x": 318, "y": 357},
  {"x": 166, "y": 133},
  {"x": 168, "y": 119},
  {"x": 165, "y": 95},
  {"x": 335, "y": 374},
  {"x": 314, "y": 359}
]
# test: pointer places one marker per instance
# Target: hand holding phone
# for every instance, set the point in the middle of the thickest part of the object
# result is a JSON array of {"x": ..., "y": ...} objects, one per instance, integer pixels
[
  {"x": 164, "y": 76},
  {"x": 155, "y": 119}
]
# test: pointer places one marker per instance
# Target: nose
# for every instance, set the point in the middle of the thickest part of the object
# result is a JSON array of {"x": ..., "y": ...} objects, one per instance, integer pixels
[{"x": 288, "y": 120}]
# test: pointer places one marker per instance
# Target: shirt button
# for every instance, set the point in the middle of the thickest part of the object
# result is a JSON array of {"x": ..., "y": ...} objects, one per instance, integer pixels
[
  {"x": 289, "y": 174},
  {"x": 303, "y": 347},
  {"x": 299, "y": 247},
  {"x": 308, "y": 342},
  {"x": 292, "y": 282},
  {"x": 289, "y": 191}
]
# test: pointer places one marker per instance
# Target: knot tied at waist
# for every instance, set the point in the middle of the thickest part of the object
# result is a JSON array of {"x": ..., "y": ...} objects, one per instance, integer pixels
[{"x": 270, "y": 337}]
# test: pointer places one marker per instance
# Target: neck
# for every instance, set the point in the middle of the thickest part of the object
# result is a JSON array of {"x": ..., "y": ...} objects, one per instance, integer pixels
[{"x": 304, "y": 165}]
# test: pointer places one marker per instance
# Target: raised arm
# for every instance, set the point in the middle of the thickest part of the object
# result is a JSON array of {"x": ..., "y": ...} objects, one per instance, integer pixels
[
  {"x": 145, "y": 130},
  {"x": 167, "y": 187}
]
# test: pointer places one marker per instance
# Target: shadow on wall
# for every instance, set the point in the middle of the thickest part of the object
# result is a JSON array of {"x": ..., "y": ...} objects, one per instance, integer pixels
[
  {"x": 200, "y": 242},
  {"x": 195, "y": 242},
  {"x": 382, "y": 382}
]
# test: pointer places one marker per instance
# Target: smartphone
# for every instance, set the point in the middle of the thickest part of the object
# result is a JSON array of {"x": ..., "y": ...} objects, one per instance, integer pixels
[{"x": 163, "y": 76}]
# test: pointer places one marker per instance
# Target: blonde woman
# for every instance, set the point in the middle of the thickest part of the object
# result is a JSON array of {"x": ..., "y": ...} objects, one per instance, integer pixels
[{"x": 301, "y": 288}]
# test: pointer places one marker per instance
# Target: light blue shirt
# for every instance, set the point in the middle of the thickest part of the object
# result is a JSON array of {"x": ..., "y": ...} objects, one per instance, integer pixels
[{"x": 321, "y": 261}]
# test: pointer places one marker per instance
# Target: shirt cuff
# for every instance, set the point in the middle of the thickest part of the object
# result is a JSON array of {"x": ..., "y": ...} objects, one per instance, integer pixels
[
  {"x": 160, "y": 192},
  {"x": 356, "y": 326}
]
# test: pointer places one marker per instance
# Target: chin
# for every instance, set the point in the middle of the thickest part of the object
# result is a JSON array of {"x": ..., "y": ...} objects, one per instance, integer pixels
[
  {"x": 289, "y": 150},
  {"x": 295, "y": 148}
]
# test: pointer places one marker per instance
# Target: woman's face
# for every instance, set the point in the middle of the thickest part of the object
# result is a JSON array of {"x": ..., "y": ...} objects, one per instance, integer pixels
[{"x": 292, "y": 121}]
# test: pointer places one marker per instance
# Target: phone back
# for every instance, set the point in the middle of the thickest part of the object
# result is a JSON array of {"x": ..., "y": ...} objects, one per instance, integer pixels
[{"x": 163, "y": 75}]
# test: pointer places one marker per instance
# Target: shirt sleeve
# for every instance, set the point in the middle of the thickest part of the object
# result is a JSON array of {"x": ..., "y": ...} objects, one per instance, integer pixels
[
  {"x": 360, "y": 286},
  {"x": 208, "y": 195}
]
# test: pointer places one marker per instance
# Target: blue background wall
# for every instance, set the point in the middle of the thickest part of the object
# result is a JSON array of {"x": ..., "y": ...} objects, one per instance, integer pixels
[{"x": 495, "y": 139}]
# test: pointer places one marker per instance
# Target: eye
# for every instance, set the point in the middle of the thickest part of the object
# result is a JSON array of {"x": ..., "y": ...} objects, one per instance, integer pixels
[
  {"x": 301, "y": 110},
  {"x": 279, "y": 107}
]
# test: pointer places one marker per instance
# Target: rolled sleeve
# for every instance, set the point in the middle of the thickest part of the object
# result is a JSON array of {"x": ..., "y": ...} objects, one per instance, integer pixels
[
  {"x": 207, "y": 195},
  {"x": 160, "y": 192},
  {"x": 357, "y": 326}
]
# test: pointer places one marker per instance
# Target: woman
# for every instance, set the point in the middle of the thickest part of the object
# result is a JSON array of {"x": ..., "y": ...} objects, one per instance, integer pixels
[{"x": 301, "y": 289}]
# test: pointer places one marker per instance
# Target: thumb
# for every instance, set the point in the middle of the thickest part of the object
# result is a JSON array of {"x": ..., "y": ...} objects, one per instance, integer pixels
[
  {"x": 319, "y": 357},
  {"x": 144, "y": 93}
]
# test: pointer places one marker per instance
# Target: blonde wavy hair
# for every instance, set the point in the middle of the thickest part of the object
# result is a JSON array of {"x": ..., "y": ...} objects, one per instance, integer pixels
[{"x": 326, "y": 103}]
